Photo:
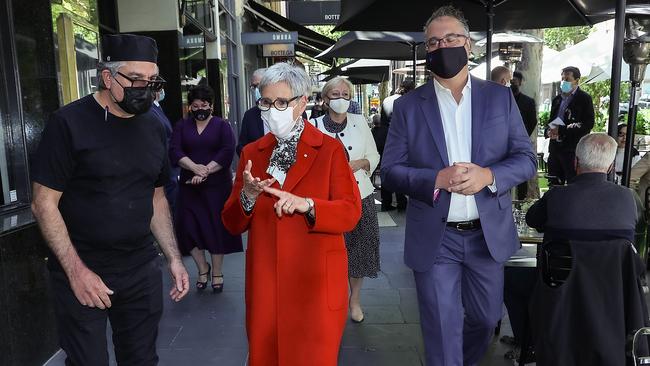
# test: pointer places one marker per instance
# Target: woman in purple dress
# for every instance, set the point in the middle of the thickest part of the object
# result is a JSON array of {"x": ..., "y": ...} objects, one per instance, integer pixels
[{"x": 203, "y": 146}]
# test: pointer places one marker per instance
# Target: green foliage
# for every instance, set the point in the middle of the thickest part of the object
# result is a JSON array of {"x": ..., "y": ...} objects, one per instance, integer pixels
[
  {"x": 83, "y": 14},
  {"x": 599, "y": 92},
  {"x": 326, "y": 30},
  {"x": 642, "y": 122},
  {"x": 561, "y": 38},
  {"x": 543, "y": 118}
]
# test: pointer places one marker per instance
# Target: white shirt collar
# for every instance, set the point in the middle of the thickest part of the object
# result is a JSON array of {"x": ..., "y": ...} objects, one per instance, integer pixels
[{"x": 441, "y": 88}]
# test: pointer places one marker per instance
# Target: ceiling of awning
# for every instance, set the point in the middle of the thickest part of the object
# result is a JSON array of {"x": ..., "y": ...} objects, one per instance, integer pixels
[{"x": 309, "y": 42}]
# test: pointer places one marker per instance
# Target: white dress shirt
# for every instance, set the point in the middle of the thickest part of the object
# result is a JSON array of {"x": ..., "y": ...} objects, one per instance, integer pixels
[{"x": 457, "y": 124}]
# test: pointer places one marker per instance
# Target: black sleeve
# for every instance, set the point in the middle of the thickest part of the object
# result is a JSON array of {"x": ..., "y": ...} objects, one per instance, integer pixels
[
  {"x": 537, "y": 215},
  {"x": 54, "y": 162},
  {"x": 530, "y": 116},
  {"x": 165, "y": 169}
]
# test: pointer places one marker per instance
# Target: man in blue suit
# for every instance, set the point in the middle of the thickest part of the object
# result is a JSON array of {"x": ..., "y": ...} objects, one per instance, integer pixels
[{"x": 456, "y": 146}]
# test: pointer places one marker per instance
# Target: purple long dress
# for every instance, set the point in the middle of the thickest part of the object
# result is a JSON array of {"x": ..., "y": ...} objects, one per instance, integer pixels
[{"x": 198, "y": 207}]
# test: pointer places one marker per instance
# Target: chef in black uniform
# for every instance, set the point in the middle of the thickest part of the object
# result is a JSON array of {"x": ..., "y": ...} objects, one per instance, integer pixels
[{"x": 99, "y": 199}]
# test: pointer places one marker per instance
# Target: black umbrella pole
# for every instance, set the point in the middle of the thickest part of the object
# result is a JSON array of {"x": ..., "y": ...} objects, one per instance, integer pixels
[
  {"x": 488, "y": 45},
  {"x": 617, "y": 60},
  {"x": 635, "y": 89},
  {"x": 415, "y": 61}
]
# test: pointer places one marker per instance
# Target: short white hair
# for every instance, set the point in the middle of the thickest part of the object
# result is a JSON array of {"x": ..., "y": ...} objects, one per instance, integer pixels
[
  {"x": 596, "y": 152},
  {"x": 333, "y": 83},
  {"x": 295, "y": 77},
  {"x": 113, "y": 67},
  {"x": 258, "y": 74}
]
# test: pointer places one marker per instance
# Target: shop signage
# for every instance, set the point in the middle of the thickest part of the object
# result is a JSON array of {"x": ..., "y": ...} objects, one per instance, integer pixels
[
  {"x": 193, "y": 41},
  {"x": 278, "y": 50},
  {"x": 269, "y": 37},
  {"x": 314, "y": 12}
]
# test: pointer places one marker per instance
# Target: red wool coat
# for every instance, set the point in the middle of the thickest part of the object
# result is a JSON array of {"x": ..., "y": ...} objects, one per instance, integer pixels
[{"x": 296, "y": 275}]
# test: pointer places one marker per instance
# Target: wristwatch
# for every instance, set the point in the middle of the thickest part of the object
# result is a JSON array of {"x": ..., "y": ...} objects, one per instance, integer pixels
[
  {"x": 246, "y": 203},
  {"x": 310, "y": 211}
]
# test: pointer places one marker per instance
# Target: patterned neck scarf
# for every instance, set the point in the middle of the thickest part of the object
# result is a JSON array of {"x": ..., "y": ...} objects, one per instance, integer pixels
[
  {"x": 336, "y": 128},
  {"x": 333, "y": 127},
  {"x": 284, "y": 153}
]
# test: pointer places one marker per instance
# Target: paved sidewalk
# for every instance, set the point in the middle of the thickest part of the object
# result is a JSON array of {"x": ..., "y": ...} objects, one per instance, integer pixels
[{"x": 208, "y": 329}]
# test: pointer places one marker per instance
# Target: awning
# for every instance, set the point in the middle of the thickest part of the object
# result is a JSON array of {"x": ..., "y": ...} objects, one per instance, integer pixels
[
  {"x": 309, "y": 42},
  {"x": 371, "y": 15}
]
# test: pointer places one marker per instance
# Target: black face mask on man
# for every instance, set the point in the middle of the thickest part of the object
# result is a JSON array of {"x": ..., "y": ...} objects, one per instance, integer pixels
[
  {"x": 136, "y": 100},
  {"x": 446, "y": 62},
  {"x": 201, "y": 114}
]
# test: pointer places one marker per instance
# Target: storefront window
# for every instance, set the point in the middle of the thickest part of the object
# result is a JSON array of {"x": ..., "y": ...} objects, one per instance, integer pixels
[
  {"x": 201, "y": 11},
  {"x": 76, "y": 34},
  {"x": 28, "y": 93}
]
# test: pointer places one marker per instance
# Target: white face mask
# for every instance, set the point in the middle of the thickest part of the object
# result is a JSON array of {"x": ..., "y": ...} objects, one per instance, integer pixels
[
  {"x": 278, "y": 122},
  {"x": 339, "y": 105}
]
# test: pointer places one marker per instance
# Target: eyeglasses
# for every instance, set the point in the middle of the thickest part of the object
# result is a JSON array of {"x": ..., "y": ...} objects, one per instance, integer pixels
[
  {"x": 337, "y": 95},
  {"x": 280, "y": 104},
  {"x": 621, "y": 134},
  {"x": 155, "y": 85},
  {"x": 450, "y": 40}
]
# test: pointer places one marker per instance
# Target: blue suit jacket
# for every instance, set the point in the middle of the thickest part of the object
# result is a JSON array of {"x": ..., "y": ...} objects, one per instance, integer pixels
[
  {"x": 252, "y": 128},
  {"x": 415, "y": 151}
]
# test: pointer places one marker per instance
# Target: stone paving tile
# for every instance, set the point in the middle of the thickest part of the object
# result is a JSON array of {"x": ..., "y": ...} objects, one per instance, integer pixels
[
  {"x": 380, "y": 297},
  {"x": 401, "y": 279},
  {"x": 365, "y": 357},
  {"x": 409, "y": 305}
]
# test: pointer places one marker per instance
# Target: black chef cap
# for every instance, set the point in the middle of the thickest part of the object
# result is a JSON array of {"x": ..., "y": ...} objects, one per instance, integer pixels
[{"x": 129, "y": 47}]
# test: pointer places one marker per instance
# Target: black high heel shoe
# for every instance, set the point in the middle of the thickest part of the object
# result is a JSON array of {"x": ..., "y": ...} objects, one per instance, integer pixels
[
  {"x": 203, "y": 285},
  {"x": 217, "y": 287}
]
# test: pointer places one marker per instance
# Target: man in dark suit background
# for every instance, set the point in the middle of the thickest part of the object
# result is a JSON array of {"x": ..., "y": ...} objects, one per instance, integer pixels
[
  {"x": 171, "y": 187},
  {"x": 252, "y": 128},
  {"x": 576, "y": 110},
  {"x": 528, "y": 111},
  {"x": 525, "y": 103}
]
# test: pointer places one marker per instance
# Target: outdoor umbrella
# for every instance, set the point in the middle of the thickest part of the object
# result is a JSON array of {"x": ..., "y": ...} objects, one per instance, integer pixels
[
  {"x": 378, "y": 45},
  {"x": 490, "y": 15},
  {"x": 374, "y": 71}
]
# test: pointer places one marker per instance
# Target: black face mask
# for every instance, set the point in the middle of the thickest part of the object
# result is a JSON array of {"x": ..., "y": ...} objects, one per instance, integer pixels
[
  {"x": 136, "y": 100},
  {"x": 201, "y": 114},
  {"x": 515, "y": 89},
  {"x": 447, "y": 62}
]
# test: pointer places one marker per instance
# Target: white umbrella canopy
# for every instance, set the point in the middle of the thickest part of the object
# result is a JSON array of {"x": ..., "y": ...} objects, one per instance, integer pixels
[
  {"x": 510, "y": 37},
  {"x": 593, "y": 57},
  {"x": 366, "y": 62},
  {"x": 479, "y": 71},
  {"x": 421, "y": 69}
]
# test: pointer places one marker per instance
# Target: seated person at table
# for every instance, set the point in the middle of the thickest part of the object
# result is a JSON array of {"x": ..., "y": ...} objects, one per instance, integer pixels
[{"x": 589, "y": 207}]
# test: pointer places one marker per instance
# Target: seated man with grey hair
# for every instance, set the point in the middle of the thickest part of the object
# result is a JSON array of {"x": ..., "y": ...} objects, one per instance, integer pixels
[{"x": 589, "y": 207}]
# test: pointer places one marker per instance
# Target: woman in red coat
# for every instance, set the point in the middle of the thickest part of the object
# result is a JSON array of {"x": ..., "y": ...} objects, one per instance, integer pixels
[{"x": 296, "y": 195}]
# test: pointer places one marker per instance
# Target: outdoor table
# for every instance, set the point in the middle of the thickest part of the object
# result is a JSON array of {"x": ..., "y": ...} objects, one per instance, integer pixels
[{"x": 525, "y": 258}]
